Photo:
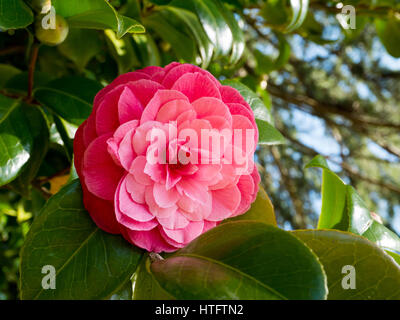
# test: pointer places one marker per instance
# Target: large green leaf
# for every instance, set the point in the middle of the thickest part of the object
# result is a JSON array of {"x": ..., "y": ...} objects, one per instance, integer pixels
[
  {"x": 267, "y": 133},
  {"x": 395, "y": 256},
  {"x": 7, "y": 71},
  {"x": 205, "y": 46},
  {"x": 19, "y": 83},
  {"x": 96, "y": 14},
  {"x": 147, "y": 49},
  {"x": 299, "y": 9},
  {"x": 218, "y": 24},
  {"x": 343, "y": 209},
  {"x": 261, "y": 210},
  {"x": 40, "y": 142},
  {"x": 122, "y": 51},
  {"x": 212, "y": 21},
  {"x": 286, "y": 19},
  {"x": 190, "y": 277},
  {"x": 242, "y": 260},
  {"x": 66, "y": 132},
  {"x": 89, "y": 263},
  {"x": 181, "y": 43},
  {"x": 377, "y": 276},
  {"x": 388, "y": 30},
  {"x": 7, "y": 105},
  {"x": 22, "y": 131},
  {"x": 275, "y": 12},
  {"x": 14, "y": 14},
  {"x": 81, "y": 46},
  {"x": 238, "y": 43},
  {"x": 71, "y": 97}
]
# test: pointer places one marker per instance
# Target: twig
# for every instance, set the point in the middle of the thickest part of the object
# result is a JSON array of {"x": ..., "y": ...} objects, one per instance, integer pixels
[
  {"x": 31, "y": 70},
  {"x": 345, "y": 166},
  {"x": 12, "y": 50}
]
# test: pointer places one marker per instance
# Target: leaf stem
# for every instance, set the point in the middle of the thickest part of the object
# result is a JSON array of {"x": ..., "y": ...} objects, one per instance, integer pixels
[{"x": 31, "y": 70}]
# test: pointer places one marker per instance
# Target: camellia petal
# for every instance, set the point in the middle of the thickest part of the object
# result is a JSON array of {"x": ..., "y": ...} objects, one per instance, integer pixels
[
  {"x": 96, "y": 161},
  {"x": 196, "y": 86}
]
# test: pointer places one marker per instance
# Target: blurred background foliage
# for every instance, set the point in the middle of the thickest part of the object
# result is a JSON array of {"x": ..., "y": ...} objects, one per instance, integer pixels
[{"x": 332, "y": 91}]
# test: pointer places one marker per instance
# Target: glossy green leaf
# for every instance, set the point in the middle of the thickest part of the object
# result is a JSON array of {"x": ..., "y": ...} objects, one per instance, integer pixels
[
  {"x": 40, "y": 142},
  {"x": 67, "y": 141},
  {"x": 284, "y": 52},
  {"x": 212, "y": 21},
  {"x": 343, "y": 209},
  {"x": 238, "y": 43},
  {"x": 256, "y": 261},
  {"x": 96, "y": 14},
  {"x": 148, "y": 51},
  {"x": 19, "y": 82},
  {"x": 89, "y": 263},
  {"x": 6, "y": 73},
  {"x": 20, "y": 138},
  {"x": 377, "y": 276},
  {"x": 182, "y": 44},
  {"x": 81, "y": 46},
  {"x": 261, "y": 210},
  {"x": 71, "y": 97},
  {"x": 122, "y": 51},
  {"x": 205, "y": 46},
  {"x": 268, "y": 135},
  {"x": 185, "y": 278},
  {"x": 299, "y": 9},
  {"x": 395, "y": 256},
  {"x": 14, "y": 14},
  {"x": 275, "y": 12},
  {"x": 218, "y": 24},
  {"x": 388, "y": 30},
  {"x": 160, "y": 2},
  {"x": 7, "y": 105}
]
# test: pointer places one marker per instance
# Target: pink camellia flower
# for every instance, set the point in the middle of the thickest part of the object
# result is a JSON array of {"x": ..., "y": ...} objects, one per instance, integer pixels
[{"x": 145, "y": 168}]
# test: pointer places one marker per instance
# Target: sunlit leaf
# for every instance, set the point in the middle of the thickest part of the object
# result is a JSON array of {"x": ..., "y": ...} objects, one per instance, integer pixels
[
  {"x": 14, "y": 14},
  {"x": 249, "y": 264},
  {"x": 343, "y": 209},
  {"x": 96, "y": 14},
  {"x": 376, "y": 274},
  {"x": 89, "y": 263}
]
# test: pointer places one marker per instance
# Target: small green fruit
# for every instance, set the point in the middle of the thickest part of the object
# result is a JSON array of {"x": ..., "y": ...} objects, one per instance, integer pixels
[{"x": 51, "y": 36}]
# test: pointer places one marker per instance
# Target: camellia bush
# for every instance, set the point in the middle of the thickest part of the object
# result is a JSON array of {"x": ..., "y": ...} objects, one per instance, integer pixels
[{"x": 110, "y": 187}]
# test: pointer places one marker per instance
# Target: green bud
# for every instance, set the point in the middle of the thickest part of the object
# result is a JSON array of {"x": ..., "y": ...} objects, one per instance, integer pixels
[{"x": 54, "y": 32}]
